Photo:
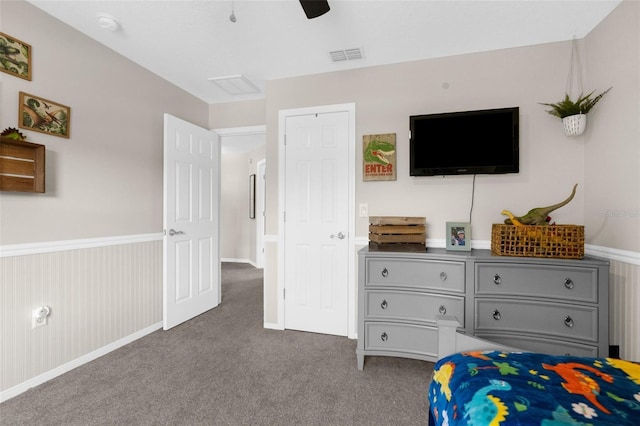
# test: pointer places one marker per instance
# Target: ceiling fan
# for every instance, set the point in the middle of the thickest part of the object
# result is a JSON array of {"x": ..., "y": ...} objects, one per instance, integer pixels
[{"x": 315, "y": 8}]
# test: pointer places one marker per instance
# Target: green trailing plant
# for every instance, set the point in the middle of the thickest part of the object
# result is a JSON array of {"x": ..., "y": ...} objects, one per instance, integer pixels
[{"x": 568, "y": 107}]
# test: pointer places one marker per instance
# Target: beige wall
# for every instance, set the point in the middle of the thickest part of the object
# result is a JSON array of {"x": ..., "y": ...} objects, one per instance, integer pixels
[
  {"x": 386, "y": 96},
  {"x": 604, "y": 161},
  {"x": 237, "y": 114},
  {"x": 612, "y": 140},
  {"x": 106, "y": 179}
]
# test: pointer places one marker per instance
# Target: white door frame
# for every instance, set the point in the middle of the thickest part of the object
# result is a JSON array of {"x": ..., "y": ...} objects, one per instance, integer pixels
[
  {"x": 242, "y": 131},
  {"x": 260, "y": 212},
  {"x": 350, "y": 108}
]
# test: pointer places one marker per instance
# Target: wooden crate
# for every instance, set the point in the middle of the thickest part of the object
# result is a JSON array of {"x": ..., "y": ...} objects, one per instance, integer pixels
[
  {"x": 554, "y": 241},
  {"x": 397, "y": 232},
  {"x": 21, "y": 166}
]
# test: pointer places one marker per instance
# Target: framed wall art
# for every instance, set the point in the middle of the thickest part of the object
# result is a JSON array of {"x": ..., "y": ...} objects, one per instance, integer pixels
[
  {"x": 15, "y": 57},
  {"x": 458, "y": 236},
  {"x": 42, "y": 115},
  {"x": 379, "y": 157}
]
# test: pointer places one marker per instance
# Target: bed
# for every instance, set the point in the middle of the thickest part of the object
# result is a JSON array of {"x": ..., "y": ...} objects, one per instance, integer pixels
[{"x": 503, "y": 386}]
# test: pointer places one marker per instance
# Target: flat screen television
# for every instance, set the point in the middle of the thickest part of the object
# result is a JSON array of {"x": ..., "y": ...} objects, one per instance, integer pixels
[{"x": 460, "y": 143}]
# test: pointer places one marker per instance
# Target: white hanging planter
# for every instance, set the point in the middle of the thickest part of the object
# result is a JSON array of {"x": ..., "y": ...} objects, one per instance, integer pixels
[{"x": 575, "y": 125}]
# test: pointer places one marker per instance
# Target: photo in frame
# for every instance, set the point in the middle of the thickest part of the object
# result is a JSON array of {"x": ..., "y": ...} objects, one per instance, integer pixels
[
  {"x": 15, "y": 57},
  {"x": 44, "y": 116},
  {"x": 252, "y": 196},
  {"x": 379, "y": 157},
  {"x": 458, "y": 236}
]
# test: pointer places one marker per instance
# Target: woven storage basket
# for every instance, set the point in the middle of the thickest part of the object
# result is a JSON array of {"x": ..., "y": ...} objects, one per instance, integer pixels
[{"x": 557, "y": 241}]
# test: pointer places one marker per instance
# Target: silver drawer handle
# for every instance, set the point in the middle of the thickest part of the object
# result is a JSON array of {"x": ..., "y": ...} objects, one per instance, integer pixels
[
  {"x": 442, "y": 310},
  {"x": 497, "y": 279},
  {"x": 384, "y": 304},
  {"x": 384, "y": 337},
  {"x": 568, "y": 283},
  {"x": 568, "y": 321},
  {"x": 443, "y": 276},
  {"x": 496, "y": 315},
  {"x": 385, "y": 273}
]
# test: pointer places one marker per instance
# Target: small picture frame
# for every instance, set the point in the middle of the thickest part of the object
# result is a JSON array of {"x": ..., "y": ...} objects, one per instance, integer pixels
[
  {"x": 15, "y": 57},
  {"x": 44, "y": 116},
  {"x": 458, "y": 236}
]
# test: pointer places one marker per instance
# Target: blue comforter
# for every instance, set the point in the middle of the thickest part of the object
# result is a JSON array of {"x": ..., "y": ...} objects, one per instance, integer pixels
[{"x": 497, "y": 388}]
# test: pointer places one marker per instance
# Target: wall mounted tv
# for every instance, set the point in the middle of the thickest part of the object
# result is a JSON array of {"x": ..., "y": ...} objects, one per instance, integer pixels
[{"x": 460, "y": 143}]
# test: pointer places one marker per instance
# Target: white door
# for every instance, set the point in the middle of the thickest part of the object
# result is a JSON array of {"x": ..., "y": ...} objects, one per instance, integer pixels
[
  {"x": 260, "y": 212},
  {"x": 317, "y": 222},
  {"x": 191, "y": 276}
]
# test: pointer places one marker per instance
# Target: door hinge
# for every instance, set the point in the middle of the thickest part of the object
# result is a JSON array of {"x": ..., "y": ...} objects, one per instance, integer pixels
[
  {"x": 285, "y": 140},
  {"x": 284, "y": 293},
  {"x": 284, "y": 216}
]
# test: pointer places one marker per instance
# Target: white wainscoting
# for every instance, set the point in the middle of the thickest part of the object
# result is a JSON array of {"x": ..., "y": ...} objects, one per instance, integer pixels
[
  {"x": 106, "y": 292},
  {"x": 100, "y": 292}
]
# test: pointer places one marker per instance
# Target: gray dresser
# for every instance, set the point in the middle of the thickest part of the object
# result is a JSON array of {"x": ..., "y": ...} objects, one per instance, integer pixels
[{"x": 554, "y": 306}]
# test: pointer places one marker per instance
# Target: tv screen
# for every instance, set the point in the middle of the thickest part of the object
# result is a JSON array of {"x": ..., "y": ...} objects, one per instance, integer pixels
[{"x": 470, "y": 142}]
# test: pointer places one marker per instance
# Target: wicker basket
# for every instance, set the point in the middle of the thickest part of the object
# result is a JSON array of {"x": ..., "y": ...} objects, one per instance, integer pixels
[{"x": 557, "y": 241}]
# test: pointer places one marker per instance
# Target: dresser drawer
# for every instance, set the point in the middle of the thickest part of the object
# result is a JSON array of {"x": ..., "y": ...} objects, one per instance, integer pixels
[
  {"x": 405, "y": 338},
  {"x": 552, "y": 319},
  {"x": 411, "y": 306},
  {"x": 541, "y": 345},
  {"x": 418, "y": 273},
  {"x": 566, "y": 283}
]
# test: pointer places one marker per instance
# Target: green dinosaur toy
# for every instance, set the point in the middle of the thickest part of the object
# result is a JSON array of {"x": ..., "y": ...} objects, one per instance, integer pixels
[
  {"x": 377, "y": 151},
  {"x": 538, "y": 216}
]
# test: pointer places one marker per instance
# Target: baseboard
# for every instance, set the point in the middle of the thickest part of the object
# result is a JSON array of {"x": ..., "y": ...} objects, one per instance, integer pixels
[
  {"x": 272, "y": 326},
  {"x": 58, "y": 371},
  {"x": 231, "y": 260}
]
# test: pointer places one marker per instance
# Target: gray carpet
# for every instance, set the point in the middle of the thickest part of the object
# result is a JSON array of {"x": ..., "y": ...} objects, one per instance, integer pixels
[{"x": 224, "y": 368}]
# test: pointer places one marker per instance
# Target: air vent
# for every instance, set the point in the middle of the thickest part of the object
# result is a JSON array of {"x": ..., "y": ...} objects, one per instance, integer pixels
[
  {"x": 235, "y": 84},
  {"x": 346, "y": 55}
]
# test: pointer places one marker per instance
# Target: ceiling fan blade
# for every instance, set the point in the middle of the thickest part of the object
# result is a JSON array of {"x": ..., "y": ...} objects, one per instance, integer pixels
[{"x": 314, "y": 8}]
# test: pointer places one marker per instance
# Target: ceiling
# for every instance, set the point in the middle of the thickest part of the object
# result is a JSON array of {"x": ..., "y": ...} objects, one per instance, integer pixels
[{"x": 187, "y": 42}]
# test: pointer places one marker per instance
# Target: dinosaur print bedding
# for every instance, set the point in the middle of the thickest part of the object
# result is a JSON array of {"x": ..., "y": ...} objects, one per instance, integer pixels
[{"x": 499, "y": 388}]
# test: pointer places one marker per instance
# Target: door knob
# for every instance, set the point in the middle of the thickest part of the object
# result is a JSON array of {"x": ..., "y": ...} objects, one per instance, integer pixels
[
  {"x": 173, "y": 232},
  {"x": 340, "y": 236}
]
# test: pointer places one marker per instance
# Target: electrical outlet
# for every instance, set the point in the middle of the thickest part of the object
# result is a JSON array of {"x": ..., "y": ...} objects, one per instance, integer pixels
[
  {"x": 39, "y": 317},
  {"x": 364, "y": 210}
]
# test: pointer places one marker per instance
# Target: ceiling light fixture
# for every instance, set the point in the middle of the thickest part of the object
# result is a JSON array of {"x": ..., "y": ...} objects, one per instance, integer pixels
[
  {"x": 232, "y": 17},
  {"x": 107, "y": 22}
]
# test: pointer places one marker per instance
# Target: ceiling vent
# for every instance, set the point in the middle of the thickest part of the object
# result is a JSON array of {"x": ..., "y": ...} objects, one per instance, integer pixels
[
  {"x": 235, "y": 85},
  {"x": 346, "y": 55}
]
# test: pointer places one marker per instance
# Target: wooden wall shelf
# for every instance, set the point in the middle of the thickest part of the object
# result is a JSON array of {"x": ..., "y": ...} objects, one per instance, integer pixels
[{"x": 22, "y": 166}]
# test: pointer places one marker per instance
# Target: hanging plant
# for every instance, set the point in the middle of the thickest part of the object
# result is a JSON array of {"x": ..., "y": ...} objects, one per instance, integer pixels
[
  {"x": 568, "y": 107},
  {"x": 573, "y": 112}
]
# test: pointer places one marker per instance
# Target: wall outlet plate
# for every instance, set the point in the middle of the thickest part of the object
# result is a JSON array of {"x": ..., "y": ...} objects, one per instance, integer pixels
[{"x": 39, "y": 317}]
